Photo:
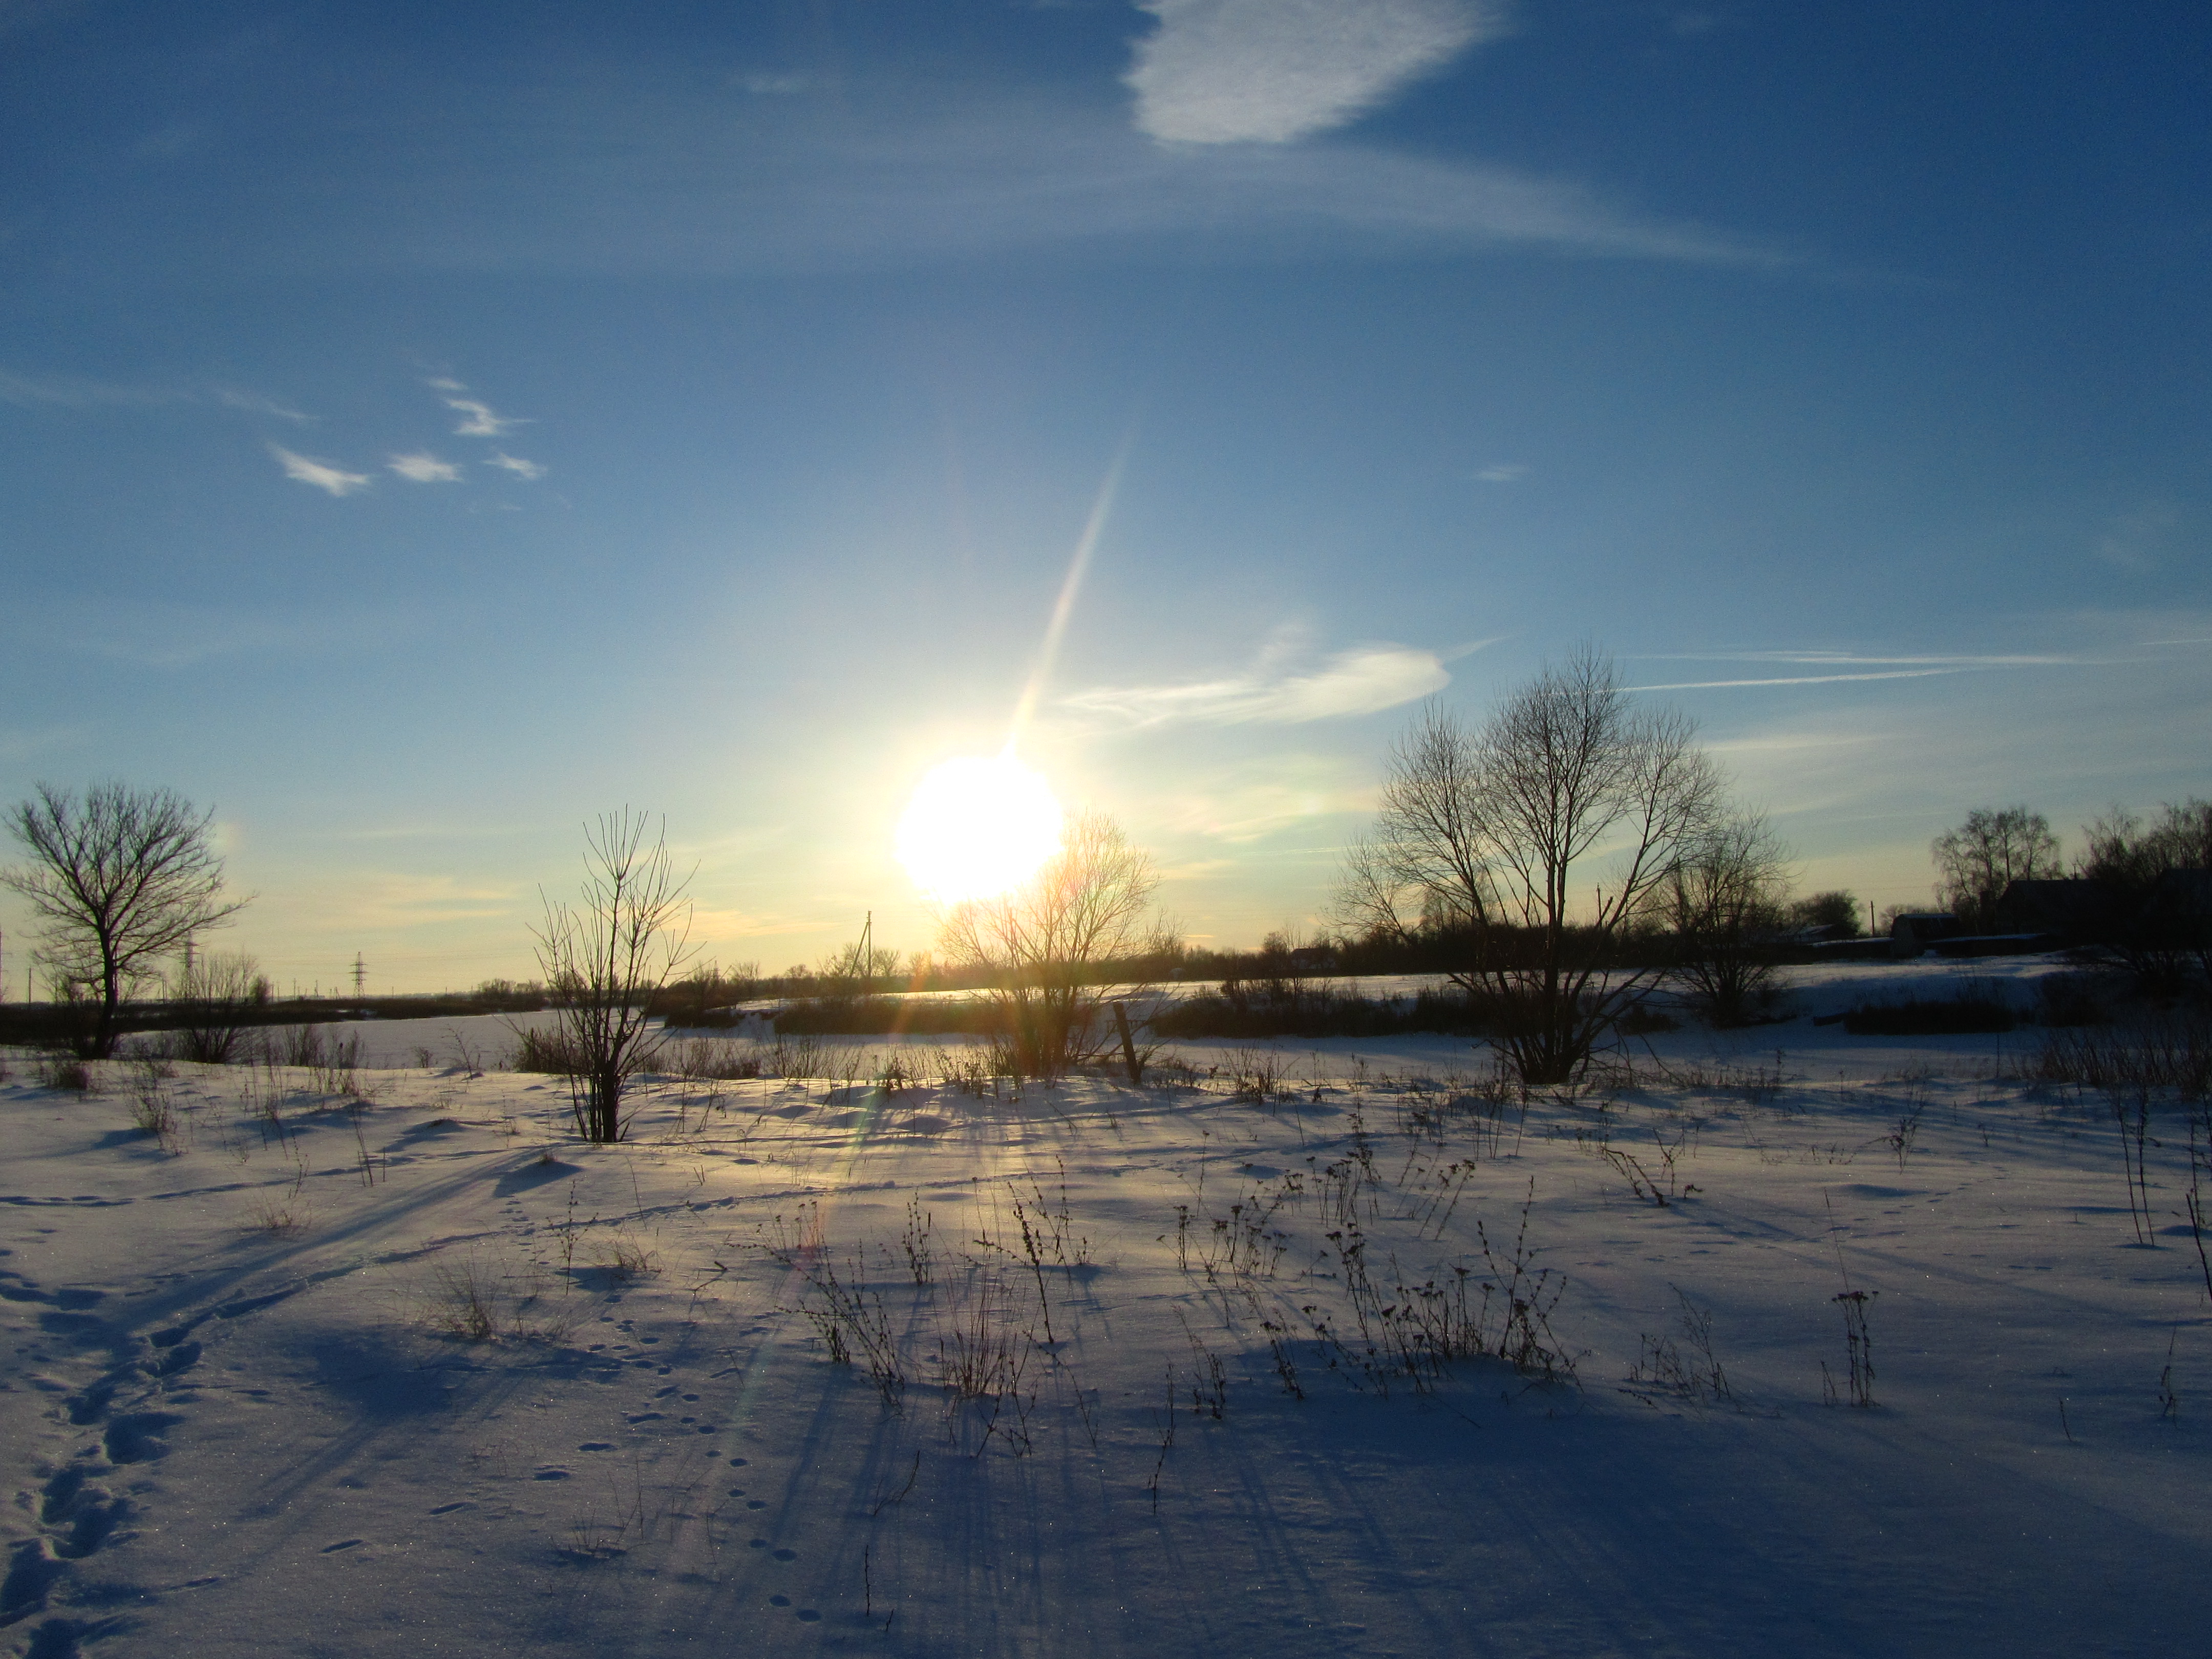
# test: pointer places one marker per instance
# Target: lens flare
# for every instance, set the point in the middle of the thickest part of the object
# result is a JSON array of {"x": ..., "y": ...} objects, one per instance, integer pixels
[{"x": 976, "y": 828}]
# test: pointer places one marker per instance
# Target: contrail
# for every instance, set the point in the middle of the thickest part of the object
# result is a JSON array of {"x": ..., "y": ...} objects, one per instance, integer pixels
[{"x": 1064, "y": 607}]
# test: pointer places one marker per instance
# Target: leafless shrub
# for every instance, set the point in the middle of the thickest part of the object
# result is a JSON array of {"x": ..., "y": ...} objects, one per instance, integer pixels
[
  {"x": 154, "y": 1112},
  {"x": 2173, "y": 1051},
  {"x": 1254, "y": 1074},
  {"x": 848, "y": 1318},
  {"x": 64, "y": 1072},
  {"x": 479, "y": 1296},
  {"x": 711, "y": 1057},
  {"x": 604, "y": 962},
  {"x": 1858, "y": 1346},
  {"x": 1682, "y": 1363}
]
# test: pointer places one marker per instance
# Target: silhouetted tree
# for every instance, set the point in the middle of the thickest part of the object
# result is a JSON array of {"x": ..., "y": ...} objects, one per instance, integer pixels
[
  {"x": 1995, "y": 846},
  {"x": 1490, "y": 835},
  {"x": 1722, "y": 902},
  {"x": 1089, "y": 905},
  {"x": 119, "y": 879},
  {"x": 605, "y": 959}
]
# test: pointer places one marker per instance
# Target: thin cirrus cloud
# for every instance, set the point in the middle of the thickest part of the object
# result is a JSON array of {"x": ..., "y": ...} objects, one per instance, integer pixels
[
  {"x": 1845, "y": 668},
  {"x": 1269, "y": 71},
  {"x": 1361, "y": 681},
  {"x": 624, "y": 178},
  {"x": 254, "y": 403},
  {"x": 526, "y": 471},
  {"x": 321, "y": 474},
  {"x": 424, "y": 467},
  {"x": 75, "y": 392}
]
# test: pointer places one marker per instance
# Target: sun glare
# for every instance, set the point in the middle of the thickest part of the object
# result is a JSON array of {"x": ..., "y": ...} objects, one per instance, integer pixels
[{"x": 977, "y": 827}]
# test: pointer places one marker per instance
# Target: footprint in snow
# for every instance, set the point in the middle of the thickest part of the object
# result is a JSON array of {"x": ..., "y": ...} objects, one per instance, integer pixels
[
  {"x": 550, "y": 1475},
  {"x": 643, "y": 1417},
  {"x": 343, "y": 1544},
  {"x": 785, "y": 1555},
  {"x": 596, "y": 1445},
  {"x": 447, "y": 1509}
]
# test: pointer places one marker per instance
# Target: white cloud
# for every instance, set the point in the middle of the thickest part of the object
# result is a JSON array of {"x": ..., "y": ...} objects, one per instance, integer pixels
[
  {"x": 424, "y": 467},
  {"x": 1359, "y": 681},
  {"x": 1221, "y": 71},
  {"x": 321, "y": 474},
  {"x": 1504, "y": 472},
  {"x": 443, "y": 383},
  {"x": 517, "y": 465},
  {"x": 481, "y": 422}
]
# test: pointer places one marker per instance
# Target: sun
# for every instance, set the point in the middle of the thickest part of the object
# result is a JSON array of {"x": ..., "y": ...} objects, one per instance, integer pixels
[{"x": 977, "y": 827}]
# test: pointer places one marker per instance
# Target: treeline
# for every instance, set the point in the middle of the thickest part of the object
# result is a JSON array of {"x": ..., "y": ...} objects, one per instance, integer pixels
[{"x": 69, "y": 1024}]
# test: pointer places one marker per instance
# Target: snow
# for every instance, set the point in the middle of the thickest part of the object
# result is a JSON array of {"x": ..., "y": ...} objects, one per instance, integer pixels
[{"x": 237, "y": 1420}]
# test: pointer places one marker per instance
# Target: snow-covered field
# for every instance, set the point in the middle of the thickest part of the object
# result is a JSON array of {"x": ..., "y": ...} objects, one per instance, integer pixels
[{"x": 1221, "y": 1391}]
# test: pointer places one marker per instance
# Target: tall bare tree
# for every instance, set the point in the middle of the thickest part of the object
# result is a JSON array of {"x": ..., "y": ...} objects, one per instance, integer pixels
[
  {"x": 119, "y": 879},
  {"x": 605, "y": 959},
  {"x": 1041, "y": 944},
  {"x": 1535, "y": 838},
  {"x": 1994, "y": 847}
]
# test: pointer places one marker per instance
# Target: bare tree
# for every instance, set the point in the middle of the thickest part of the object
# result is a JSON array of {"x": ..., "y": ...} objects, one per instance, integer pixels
[
  {"x": 119, "y": 879},
  {"x": 605, "y": 959},
  {"x": 1722, "y": 902},
  {"x": 2156, "y": 913},
  {"x": 1490, "y": 835},
  {"x": 1993, "y": 849},
  {"x": 1042, "y": 943}
]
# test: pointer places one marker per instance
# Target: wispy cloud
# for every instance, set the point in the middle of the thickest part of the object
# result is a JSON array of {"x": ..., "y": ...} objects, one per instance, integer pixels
[
  {"x": 74, "y": 392},
  {"x": 321, "y": 474},
  {"x": 1856, "y": 659},
  {"x": 1798, "y": 679},
  {"x": 2135, "y": 541},
  {"x": 1360, "y": 681},
  {"x": 479, "y": 421},
  {"x": 424, "y": 467},
  {"x": 517, "y": 465},
  {"x": 619, "y": 176},
  {"x": 254, "y": 403},
  {"x": 774, "y": 86},
  {"x": 1225, "y": 71},
  {"x": 1503, "y": 472}
]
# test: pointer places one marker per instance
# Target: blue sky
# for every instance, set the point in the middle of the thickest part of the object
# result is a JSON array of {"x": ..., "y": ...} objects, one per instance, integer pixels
[{"x": 424, "y": 428}]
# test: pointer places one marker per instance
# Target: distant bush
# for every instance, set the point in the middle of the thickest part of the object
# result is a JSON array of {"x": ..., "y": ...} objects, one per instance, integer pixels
[
  {"x": 890, "y": 1016},
  {"x": 547, "y": 1051},
  {"x": 1280, "y": 1008},
  {"x": 2064, "y": 1000},
  {"x": 1969, "y": 1011}
]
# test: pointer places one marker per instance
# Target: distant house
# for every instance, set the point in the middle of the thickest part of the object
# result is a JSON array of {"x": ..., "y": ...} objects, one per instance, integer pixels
[
  {"x": 1922, "y": 928},
  {"x": 2075, "y": 910},
  {"x": 2182, "y": 896}
]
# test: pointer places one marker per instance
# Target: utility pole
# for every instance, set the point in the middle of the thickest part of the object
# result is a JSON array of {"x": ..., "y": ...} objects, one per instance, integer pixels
[{"x": 359, "y": 975}]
